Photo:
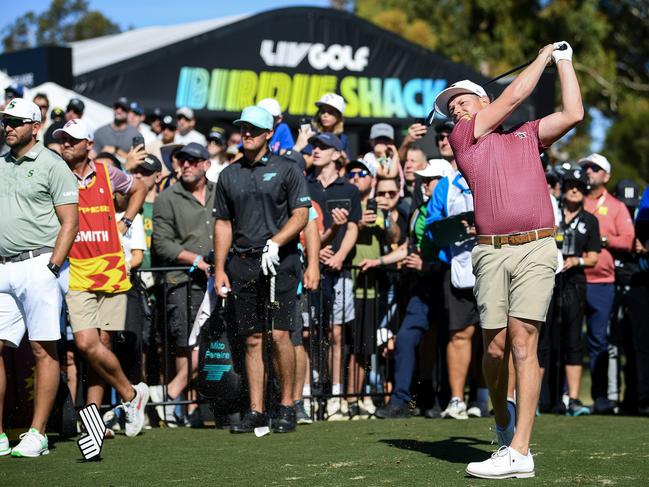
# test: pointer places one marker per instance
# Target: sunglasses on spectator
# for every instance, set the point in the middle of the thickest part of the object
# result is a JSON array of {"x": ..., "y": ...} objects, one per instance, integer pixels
[
  {"x": 592, "y": 167},
  {"x": 191, "y": 160},
  {"x": 441, "y": 137},
  {"x": 329, "y": 110},
  {"x": 321, "y": 146},
  {"x": 357, "y": 174},
  {"x": 43, "y": 107},
  {"x": 14, "y": 122},
  {"x": 387, "y": 194}
]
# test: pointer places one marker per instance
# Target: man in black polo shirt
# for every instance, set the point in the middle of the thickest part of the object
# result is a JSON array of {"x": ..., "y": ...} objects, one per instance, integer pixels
[
  {"x": 261, "y": 205},
  {"x": 341, "y": 206}
]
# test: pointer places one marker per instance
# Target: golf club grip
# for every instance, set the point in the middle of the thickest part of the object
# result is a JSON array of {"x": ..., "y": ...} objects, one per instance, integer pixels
[
  {"x": 272, "y": 289},
  {"x": 562, "y": 47}
]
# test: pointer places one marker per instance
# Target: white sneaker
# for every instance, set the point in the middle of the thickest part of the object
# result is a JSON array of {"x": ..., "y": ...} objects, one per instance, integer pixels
[
  {"x": 134, "y": 410},
  {"x": 334, "y": 410},
  {"x": 165, "y": 413},
  {"x": 369, "y": 406},
  {"x": 474, "y": 412},
  {"x": 456, "y": 409},
  {"x": 503, "y": 464},
  {"x": 32, "y": 444},
  {"x": 5, "y": 449}
]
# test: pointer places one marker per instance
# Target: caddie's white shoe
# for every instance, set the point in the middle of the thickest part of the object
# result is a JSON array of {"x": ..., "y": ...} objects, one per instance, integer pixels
[
  {"x": 504, "y": 463},
  {"x": 5, "y": 449}
]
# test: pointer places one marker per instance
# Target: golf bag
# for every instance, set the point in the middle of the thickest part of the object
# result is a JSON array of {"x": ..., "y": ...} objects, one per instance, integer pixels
[{"x": 220, "y": 365}]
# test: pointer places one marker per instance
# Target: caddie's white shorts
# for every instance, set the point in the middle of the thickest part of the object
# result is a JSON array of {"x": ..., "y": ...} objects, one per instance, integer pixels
[{"x": 30, "y": 300}]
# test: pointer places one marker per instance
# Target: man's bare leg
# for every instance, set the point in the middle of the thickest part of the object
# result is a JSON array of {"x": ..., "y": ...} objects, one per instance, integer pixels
[
  {"x": 96, "y": 385},
  {"x": 300, "y": 372},
  {"x": 255, "y": 371},
  {"x": 284, "y": 356},
  {"x": 458, "y": 357},
  {"x": 46, "y": 383},
  {"x": 524, "y": 340},
  {"x": 3, "y": 385},
  {"x": 495, "y": 362}
]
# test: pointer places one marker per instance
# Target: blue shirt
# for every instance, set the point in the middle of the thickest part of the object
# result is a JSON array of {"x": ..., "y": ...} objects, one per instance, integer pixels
[{"x": 281, "y": 139}]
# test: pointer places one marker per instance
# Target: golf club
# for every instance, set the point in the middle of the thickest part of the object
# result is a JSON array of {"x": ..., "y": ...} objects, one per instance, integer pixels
[{"x": 430, "y": 119}]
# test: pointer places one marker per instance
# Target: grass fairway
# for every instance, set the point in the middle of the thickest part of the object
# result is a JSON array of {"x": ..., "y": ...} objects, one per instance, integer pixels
[{"x": 569, "y": 451}]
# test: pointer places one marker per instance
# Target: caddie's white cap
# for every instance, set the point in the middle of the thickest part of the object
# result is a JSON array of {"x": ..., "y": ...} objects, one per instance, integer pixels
[
  {"x": 458, "y": 88},
  {"x": 436, "y": 168},
  {"x": 598, "y": 160},
  {"x": 333, "y": 100},
  {"x": 271, "y": 105},
  {"x": 77, "y": 128},
  {"x": 22, "y": 109}
]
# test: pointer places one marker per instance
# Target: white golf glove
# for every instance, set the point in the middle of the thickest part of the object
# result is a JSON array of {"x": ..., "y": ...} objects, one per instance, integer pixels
[
  {"x": 558, "y": 55},
  {"x": 270, "y": 258}
]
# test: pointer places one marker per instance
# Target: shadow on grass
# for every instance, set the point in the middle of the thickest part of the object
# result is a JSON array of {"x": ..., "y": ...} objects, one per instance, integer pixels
[{"x": 456, "y": 449}]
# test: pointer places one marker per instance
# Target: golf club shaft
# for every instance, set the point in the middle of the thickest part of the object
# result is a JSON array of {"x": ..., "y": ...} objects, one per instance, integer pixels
[{"x": 562, "y": 47}]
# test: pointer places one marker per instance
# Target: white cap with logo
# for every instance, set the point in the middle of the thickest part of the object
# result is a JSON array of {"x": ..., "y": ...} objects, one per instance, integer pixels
[
  {"x": 77, "y": 128},
  {"x": 333, "y": 100},
  {"x": 597, "y": 160},
  {"x": 436, "y": 168},
  {"x": 459, "y": 88},
  {"x": 22, "y": 109},
  {"x": 271, "y": 105}
]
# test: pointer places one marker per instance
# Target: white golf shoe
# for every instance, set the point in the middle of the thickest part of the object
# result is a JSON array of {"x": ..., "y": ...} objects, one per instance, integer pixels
[
  {"x": 32, "y": 444},
  {"x": 504, "y": 463},
  {"x": 5, "y": 449},
  {"x": 456, "y": 409},
  {"x": 134, "y": 410}
]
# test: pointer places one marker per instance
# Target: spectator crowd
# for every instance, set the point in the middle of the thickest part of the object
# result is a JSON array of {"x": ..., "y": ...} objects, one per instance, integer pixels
[{"x": 385, "y": 324}]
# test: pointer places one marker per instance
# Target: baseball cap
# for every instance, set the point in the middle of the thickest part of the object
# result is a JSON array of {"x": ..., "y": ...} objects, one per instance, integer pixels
[
  {"x": 333, "y": 100},
  {"x": 150, "y": 163},
  {"x": 296, "y": 157},
  {"x": 196, "y": 150},
  {"x": 57, "y": 112},
  {"x": 156, "y": 114},
  {"x": 272, "y": 105},
  {"x": 257, "y": 116},
  {"x": 445, "y": 126},
  {"x": 597, "y": 160},
  {"x": 76, "y": 105},
  {"x": 23, "y": 109},
  {"x": 628, "y": 192},
  {"x": 136, "y": 108},
  {"x": 381, "y": 130},
  {"x": 109, "y": 155},
  {"x": 216, "y": 135},
  {"x": 15, "y": 89},
  {"x": 578, "y": 176},
  {"x": 122, "y": 102},
  {"x": 363, "y": 164},
  {"x": 458, "y": 88},
  {"x": 328, "y": 139},
  {"x": 436, "y": 168},
  {"x": 169, "y": 121},
  {"x": 186, "y": 112},
  {"x": 77, "y": 128}
]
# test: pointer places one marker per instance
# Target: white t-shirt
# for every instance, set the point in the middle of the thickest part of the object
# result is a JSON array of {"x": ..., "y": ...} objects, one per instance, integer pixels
[
  {"x": 192, "y": 136},
  {"x": 134, "y": 239}
]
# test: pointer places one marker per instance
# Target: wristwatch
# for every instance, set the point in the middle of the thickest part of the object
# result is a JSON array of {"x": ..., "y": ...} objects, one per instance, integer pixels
[
  {"x": 55, "y": 269},
  {"x": 127, "y": 221},
  {"x": 604, "y": 241}
]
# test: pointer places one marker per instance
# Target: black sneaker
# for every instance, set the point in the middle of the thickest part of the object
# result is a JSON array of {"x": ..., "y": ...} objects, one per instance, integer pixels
[
  {"x": 393, "y": 411},
  {"x": 250, "y": 421},
  {"x": 195, "y": 419},
  {"x": 604, "y": 405},
  {"x": 285, "y": 420},
  {"x": 301, "y": 414},
  {"x": 433, "y": 413},
  {"x": 576, "y": 408},
  {"x": 226, "y": 421}
]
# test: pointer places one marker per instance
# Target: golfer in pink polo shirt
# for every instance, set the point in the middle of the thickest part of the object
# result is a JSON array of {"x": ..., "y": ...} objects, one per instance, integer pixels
[{"x": 516, "y": 257}]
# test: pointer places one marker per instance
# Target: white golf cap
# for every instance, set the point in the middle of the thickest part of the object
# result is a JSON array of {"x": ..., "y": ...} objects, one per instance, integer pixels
[
  {"x": 333, "y": 100},
  {"x": 271, "y": 105},
  {"x": 458, "y": 88},
  {"x": 436, "y": 168},
  {"x": 597, "y": 160},
  {"x": 186, "y": 112},
  {"x": 22, "y": 109},
  {"x": 77, "y": 128}
]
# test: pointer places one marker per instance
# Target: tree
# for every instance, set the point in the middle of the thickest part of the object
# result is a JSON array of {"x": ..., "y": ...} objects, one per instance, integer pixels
[
  {"x": 63, "y": 22},
  {"x": 608, "y": 38}
]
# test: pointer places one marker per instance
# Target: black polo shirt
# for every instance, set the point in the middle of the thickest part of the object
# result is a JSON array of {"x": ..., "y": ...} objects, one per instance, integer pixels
[
  {"x": 579, "y": 236},
  {"x": 258, "y": 199},
  {"x": 340, "y": 189}
]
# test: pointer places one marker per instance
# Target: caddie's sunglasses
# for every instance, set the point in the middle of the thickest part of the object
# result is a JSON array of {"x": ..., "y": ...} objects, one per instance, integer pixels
[
  {"x": 387, "y": 194},
  {"x": 441, "y": 137},
  {"x": 14, "y": 122},
  {"x": 592, "y": 167},
  {"x": 357, "y": 174}
]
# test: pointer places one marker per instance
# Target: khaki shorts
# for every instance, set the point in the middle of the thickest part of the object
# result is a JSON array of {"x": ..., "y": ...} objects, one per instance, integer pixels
[
  {"x": 89, "y": 309},
  {"x": 515, "y": 280}
]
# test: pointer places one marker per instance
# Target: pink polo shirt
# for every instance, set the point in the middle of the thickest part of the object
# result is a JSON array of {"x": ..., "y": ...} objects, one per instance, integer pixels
[
  {"x": 506, "y": 177},
  {"x": 616, "y": 225}
]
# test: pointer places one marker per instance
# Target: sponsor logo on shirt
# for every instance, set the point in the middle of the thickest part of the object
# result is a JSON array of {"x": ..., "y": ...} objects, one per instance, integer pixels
[
  {"x": 30, "y": 173},
  {"x": 304, "y": 199},
  {"x": 520, "y": 135},
  {"x": 92, "y": 236},
  {"x": 269, "y": 176}
]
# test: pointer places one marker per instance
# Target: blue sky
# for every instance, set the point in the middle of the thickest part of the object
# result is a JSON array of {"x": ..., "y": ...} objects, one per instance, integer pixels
[{"x": 142, "y": 13}]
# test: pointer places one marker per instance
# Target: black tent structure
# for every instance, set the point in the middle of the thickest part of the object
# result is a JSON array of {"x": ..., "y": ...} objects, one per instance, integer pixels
[{"x": 217, "y": 67}]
